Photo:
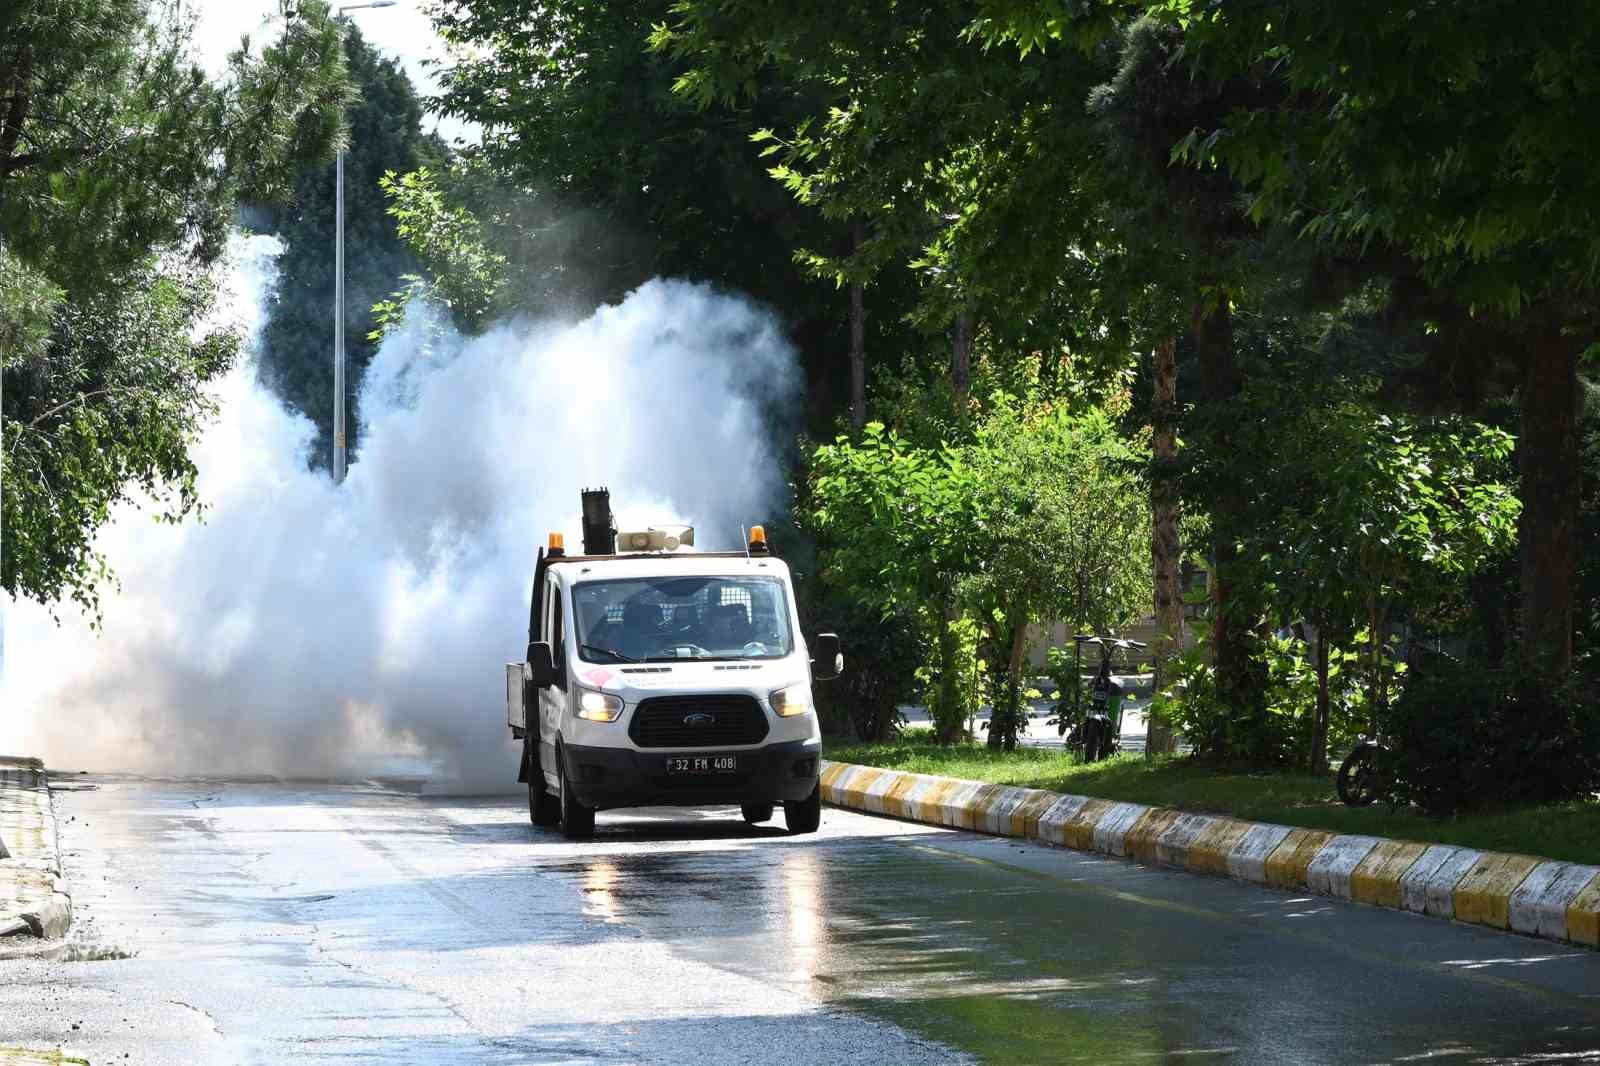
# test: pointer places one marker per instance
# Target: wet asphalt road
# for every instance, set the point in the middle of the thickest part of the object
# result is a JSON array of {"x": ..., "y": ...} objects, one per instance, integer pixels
[{"x": 271, "y": 922}]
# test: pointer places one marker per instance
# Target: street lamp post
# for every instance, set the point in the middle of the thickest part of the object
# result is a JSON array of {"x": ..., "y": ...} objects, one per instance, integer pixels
[{"x": 338, "y": 290}]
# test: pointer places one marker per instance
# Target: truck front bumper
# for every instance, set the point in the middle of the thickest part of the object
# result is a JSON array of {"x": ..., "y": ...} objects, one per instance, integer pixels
[{"x": 605, "y": 778}]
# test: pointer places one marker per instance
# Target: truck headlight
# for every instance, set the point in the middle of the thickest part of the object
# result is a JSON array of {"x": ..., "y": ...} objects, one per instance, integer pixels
[
  {"x": 598, "y": 706},
  {"x": 788, "y": 702}
]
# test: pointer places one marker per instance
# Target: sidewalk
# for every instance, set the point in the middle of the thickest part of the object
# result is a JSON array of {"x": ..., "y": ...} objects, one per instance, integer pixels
[{"x": 33, "y": 898}]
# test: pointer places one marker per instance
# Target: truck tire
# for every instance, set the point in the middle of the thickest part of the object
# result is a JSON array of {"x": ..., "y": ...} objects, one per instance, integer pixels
[
  {"x": 577, "y": 821},
  {"x": 756, "y": 813},
  {"x": 803, "y": 816},
  {"x": 543, "y": 807}
]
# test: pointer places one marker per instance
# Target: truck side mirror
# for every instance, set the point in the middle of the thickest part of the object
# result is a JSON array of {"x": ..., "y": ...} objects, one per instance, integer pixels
[
  {"x": 827, "y": 661},
  {"x": 541, "y": 665}
]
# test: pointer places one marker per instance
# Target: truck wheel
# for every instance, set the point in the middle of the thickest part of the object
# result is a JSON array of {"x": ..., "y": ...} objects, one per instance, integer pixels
[
  {"x": 756, "y": 813},
  {"x": 805, "y": 815},
  {"x": 577, "y": 821}
]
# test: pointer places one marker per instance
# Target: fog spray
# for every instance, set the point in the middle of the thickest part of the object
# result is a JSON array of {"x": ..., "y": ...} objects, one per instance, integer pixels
[{"x": 309, "y": 629}]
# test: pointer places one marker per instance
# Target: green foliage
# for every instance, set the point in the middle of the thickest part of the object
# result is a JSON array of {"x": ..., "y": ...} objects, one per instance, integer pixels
[
  {"x": 121, "y": 167},
  {"x": 954, "y": 678},
  {"x": 115, "y": 142},
  {"x": 944, "y": 153},
  {"x": 464, "y": 275},
  {"x": 294, "y": 357},
  {"x": 1190, "y": 701},
  {"x": 1292, "y": 695},
  {"x": 28, "y": 302},
  {"x": 1040, "y": 516},
  {"x": 596, "y": 175},
  {"x": 1353, "y": 518},
  {"x": 881, "y": 652},
  {"x": 1470, "y": 738},
  {"x": 105, "y": 413}
]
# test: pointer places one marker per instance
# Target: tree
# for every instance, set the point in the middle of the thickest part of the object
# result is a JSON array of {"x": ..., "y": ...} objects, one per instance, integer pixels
[
  {"x": 899, "y": 526},
  {"x": 294, "y": 353},
  {"x": 594, "y": 175},
  {"x": 944, "y": 154},
  {"x": 121, "y": 166},
  {"x": 1166, "y": 545},
  {"x": 1040, "y": 517},
  {"x": 1452, "y": 142},
  {"x": 1357, "y": 518},
  {"x": 1066, "y": 517}
]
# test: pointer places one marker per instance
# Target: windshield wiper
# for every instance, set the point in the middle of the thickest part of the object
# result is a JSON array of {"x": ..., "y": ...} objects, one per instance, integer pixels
[{"x": 616, "y": 655}]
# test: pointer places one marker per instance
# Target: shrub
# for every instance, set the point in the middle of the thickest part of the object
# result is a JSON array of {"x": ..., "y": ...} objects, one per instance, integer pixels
[
  {"x": 954, "y": 682},
  {"x": 880, "y": 670},
  {"x": 1291, "y": 697},
  {"x": 1466, "y": 738}
]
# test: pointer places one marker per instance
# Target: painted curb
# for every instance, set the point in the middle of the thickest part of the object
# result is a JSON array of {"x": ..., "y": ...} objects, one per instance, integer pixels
[
  {"x": 1520, "y": 893},
  {"x": 33, "y": 898}
]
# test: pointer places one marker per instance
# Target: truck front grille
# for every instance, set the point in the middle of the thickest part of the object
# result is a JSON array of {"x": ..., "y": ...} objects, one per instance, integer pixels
[{"x": 680, "y": 722}]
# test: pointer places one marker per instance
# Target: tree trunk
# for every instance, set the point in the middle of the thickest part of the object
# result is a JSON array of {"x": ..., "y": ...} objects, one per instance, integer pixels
[
  {"x": 1165, "y": 548},
  {"x": 18, "y": 83},
  {"x": 1489, "y": 606},
  {"x": 947, "y": 725},
  {"x": 1547, "y": 530},
  {"x": 1318, "y": 762},
  {"x": 1221, "y": 382},
  {"x": 1377, "y": 692},
  {"x": 1004, "y": 722},
  {"x": 961, "y": 356},
  {"x": 858, "y": 341}
]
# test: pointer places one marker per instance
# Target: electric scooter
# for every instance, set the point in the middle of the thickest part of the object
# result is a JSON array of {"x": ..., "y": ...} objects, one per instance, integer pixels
[{"x": 1097, "y": 734}]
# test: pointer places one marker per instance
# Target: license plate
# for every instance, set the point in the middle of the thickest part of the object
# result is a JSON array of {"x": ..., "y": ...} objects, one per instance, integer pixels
[{"x": 702, "y": 764}]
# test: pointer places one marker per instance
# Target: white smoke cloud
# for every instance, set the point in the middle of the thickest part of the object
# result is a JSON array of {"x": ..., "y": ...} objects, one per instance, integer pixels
[{"x": 309, "y": 629}]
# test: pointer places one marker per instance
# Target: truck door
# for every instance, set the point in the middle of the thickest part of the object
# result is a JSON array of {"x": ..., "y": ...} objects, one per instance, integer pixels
[{"x": 553, "y": 698}]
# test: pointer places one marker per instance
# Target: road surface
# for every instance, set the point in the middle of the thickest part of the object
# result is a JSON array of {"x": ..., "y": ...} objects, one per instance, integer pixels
[{"x": 313, "y": 922}]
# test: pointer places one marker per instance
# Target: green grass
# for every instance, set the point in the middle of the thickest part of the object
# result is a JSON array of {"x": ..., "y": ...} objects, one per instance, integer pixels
[{"x": 1569, "y": 831}]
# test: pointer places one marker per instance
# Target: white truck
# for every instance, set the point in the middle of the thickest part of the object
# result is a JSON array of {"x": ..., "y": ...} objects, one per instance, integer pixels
[{"x": 657, "y": 676}]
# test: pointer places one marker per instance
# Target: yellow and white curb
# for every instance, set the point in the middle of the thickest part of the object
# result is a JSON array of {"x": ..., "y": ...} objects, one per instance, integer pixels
[
  {"x": 33, "y": 898},
  {"x": 1522, "y": 893}
]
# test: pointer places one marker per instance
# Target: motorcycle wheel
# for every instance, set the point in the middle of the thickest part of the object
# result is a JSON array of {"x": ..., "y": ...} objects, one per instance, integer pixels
[
  {"x": 1091, "y": 741},
  {"x": 1358, "y": 776}
]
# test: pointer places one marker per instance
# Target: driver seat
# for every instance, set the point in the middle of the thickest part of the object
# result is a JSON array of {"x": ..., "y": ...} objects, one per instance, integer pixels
[
  {"x": 641, "y": 629},
  {"x": 733, "y": 625}
]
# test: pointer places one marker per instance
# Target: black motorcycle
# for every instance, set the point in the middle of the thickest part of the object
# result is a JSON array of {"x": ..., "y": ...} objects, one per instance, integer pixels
[{"x": 1364, "y": 775}]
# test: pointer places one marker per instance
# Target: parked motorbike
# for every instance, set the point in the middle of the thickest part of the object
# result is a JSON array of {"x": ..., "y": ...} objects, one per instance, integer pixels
[
  {"x": 1368, "y": 773},
  {"x": 1363, "y": 777},
  {"x": 1096, "y": 733}
]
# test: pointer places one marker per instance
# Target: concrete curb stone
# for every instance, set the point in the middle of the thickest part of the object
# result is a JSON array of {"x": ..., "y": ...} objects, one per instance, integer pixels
[
  {"x": 1537, "y": 897},
  {"x": 34, "y": 900}
]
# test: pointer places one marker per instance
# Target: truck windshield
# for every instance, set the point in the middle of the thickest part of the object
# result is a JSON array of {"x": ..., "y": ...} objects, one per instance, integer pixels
[{"x": 657, "y": 619}]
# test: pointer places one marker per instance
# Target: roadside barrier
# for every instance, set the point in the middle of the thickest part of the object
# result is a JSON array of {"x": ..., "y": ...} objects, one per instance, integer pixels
[{"x": 1521, "y": 893}]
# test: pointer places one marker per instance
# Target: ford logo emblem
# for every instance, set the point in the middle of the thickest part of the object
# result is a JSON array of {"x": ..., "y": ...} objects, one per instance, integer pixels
[{"x": 699, "y": 719}]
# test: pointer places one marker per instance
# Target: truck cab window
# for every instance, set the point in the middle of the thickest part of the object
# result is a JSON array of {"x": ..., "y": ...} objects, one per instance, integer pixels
[
  {"x": 553, "y": 626},
  {"x": 664, "y": 618}
]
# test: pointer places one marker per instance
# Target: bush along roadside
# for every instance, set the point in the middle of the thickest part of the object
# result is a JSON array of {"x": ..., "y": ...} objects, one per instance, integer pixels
[
  {"x": 1465, "y": 740},
  {"x": 1540, "y": 897}
]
